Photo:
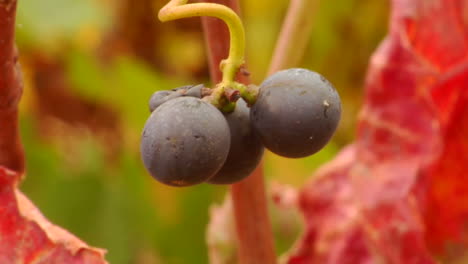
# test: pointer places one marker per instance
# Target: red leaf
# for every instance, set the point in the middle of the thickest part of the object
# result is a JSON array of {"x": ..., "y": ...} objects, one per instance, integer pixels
[
  {"x": 406, "y": 176},
  {"x": 27, "y": 237}
]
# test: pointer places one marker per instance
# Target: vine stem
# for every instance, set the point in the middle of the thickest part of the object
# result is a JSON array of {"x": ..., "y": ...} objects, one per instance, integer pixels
[
  {"x": 253, "y": 227},
  {"x": 294, "y": 35},
  {"x": 11, "y": 151},
  {"x": 177, "y": 9}
]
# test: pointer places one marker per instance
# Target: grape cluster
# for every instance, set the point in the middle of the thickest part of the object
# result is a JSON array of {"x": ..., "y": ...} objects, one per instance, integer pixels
[{"x": 187, "y": 140}]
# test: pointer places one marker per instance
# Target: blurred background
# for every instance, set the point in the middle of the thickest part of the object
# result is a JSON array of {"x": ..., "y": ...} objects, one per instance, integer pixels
[{"x": 89, "y": 69}]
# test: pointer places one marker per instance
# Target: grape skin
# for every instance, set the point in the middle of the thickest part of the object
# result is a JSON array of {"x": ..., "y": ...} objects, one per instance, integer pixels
[
  {"x": 185, "y": 141},
  {"x": 296, "y": 112},
  {"x": 246, "y": 148}
]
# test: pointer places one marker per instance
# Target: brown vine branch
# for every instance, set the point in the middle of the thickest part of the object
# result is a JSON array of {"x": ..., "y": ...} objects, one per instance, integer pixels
[
  {"x": 254, "y": 233},
  {"x": 134, "y": 20},
  {"x": 294, "y": 35},
  {"x": 11, "y": 151}
]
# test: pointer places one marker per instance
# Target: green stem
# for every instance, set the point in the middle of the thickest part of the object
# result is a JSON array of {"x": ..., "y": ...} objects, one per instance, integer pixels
[
  {"x": 177, "y": 9},
  {"x": 249, "y": 92}
]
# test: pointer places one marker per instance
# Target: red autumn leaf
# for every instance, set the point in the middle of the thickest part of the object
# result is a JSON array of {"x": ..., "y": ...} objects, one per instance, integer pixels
[
  {"x": 27, "y": 237},
  {"x": 399, "y": 194}
]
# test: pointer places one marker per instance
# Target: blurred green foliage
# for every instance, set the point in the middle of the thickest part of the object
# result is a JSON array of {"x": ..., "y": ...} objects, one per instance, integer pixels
[{"x": 97, "y": 188}]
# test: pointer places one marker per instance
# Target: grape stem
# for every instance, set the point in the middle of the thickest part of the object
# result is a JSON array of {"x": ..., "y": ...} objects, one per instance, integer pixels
[
  {"x": 177, "y": 9},
  {"x": 255, "y": 241}
]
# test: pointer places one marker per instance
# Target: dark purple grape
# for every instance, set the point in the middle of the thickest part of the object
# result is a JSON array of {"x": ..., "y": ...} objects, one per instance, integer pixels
[
  {"x": 191, "y": 90},
  {"x": 246, "y": 148},
  {"x": 296, "y": 112},
  {"x": 183, "y": 88},
  {"x": 160, "y": 97},
  {"x": 185, "y": 141}
]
